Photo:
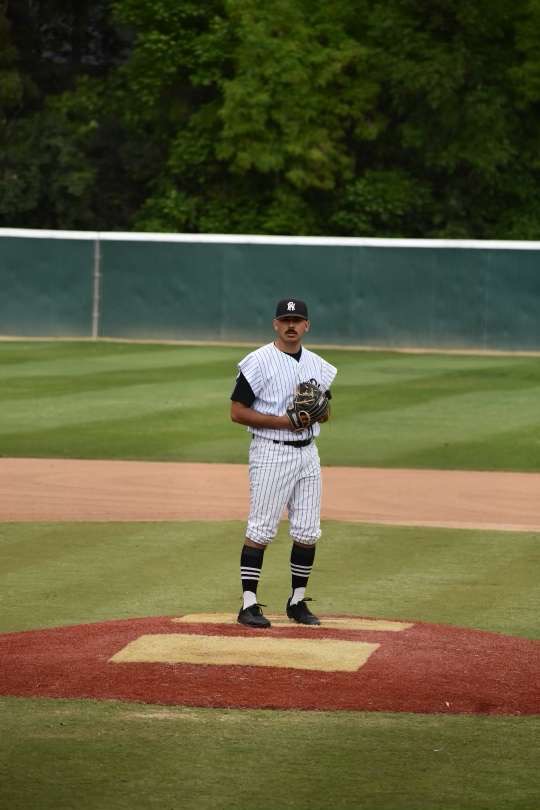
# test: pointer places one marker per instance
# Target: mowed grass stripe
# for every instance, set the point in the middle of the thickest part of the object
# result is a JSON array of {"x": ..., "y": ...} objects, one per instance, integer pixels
[
  {"x": 172, "y": 402},
  {"x": 469, "y": 431},
  {"x": 207, "y": 435},
  {"x": 77, "y": 357},
  {"x": 192, "y": 409},
  {"x": 55, "y": 574},
  {"x": 134, "y": 363},
  {"x": 90, "y": 382},
  {"x": 99, "y": 405}
]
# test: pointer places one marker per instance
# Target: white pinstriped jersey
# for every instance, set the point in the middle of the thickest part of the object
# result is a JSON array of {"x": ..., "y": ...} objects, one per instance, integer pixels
[{"x": 273, "y": 376}]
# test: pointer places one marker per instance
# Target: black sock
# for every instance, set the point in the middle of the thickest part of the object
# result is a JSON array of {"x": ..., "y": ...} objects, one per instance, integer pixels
[
  {"x": 251, "y": 561},
  {"x": 301, "y": 564}
]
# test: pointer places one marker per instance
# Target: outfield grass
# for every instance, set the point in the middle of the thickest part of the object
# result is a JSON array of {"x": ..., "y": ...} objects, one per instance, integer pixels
[{"x": 114, "y": 400}]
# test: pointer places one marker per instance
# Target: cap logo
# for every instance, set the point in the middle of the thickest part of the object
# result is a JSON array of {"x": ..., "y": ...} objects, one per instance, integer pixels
[{"x": 291, "y": 306}]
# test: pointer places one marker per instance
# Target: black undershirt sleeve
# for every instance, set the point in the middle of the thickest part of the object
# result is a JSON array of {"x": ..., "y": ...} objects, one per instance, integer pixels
[{"x": 243, "y": 392}]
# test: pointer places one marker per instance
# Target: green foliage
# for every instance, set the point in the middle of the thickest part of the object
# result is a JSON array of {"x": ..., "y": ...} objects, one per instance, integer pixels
[
  {"x": 379, "y": 118},
  {"x": 18, "y": 178},
  {"x": 526, "y": 72},
  {"x": 56, "y": 141},
  {"x": 294, "y": 95},
  {"x": 382, "y": 201},
  {"x": 11, "y": 80}
]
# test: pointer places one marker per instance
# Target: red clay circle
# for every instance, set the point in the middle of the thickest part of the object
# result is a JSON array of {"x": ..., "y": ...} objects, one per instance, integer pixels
[{"x": 425, "y": 668}]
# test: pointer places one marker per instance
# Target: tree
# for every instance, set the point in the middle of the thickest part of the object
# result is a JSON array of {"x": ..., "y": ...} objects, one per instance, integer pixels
[
  {"x": 51, "y": 138},
  {"x": 451, "y": 130},
  {"x": 372, "y": 117},
  {"x": 252, "y": 107},
  {"x": 17, "y": 179}
]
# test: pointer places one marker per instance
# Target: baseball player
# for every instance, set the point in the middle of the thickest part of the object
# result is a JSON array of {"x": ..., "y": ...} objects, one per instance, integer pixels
[{"x": 284, "y": 466}]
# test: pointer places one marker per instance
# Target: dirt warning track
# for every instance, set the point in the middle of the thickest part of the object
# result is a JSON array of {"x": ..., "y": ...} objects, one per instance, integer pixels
[{"x": 74, "y": 490}]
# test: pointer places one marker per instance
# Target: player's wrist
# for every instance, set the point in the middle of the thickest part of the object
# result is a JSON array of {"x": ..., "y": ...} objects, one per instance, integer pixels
[{"x": 283, "y": 422}]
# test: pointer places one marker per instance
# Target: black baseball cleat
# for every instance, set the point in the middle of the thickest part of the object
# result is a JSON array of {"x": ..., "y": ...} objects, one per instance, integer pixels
[
  {"x": 301, "y": 613},
  {"x": 253, "y": 617}
]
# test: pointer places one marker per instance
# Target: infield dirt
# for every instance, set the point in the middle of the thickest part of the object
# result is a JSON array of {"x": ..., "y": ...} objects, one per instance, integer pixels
[{"x": 77, "y": 490}]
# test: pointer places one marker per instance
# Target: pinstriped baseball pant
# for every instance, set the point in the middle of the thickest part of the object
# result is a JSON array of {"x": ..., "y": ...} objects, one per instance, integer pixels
[{"x": 284, "y": 477}]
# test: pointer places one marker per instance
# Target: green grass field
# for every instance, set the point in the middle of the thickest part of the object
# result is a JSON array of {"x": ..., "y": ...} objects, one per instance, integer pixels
[
  {"x": 170, "y": 402},
  {"x": 63, "y": 573},
  {"x": 87, "y": 755},
  {"x": 114, "y": 400}
]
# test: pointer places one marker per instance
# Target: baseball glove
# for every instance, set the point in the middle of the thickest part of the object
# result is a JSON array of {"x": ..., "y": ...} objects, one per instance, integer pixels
[{"x": 309, "y": 405}]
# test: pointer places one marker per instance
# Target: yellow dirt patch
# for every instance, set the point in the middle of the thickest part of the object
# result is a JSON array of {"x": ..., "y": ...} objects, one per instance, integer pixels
[
  {"x": 335, "y": 623},
  {"x": 327, "y": 655}
]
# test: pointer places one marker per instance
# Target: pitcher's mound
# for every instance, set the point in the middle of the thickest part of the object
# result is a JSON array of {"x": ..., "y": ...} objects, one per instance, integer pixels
[{"x": 348, "y": 662}]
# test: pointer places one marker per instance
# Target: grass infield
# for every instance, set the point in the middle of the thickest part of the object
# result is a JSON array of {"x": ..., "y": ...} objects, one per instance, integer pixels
[
  {"x": 60, "y": 755},
  {"x": 63, "y": 573},
  {"x": 89, "y": 754},
  {"x": 142, "y": 401}
]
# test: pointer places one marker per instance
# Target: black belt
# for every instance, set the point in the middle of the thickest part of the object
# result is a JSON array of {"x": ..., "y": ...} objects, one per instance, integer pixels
[{"x": 303, "y": 443}]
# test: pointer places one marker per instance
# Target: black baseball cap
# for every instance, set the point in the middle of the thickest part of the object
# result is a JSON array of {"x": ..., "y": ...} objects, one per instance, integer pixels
[{"x": 291, "y": 307}]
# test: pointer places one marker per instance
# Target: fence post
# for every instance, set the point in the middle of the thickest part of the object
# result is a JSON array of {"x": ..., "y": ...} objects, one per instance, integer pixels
[{"x": 96, "y": 289}]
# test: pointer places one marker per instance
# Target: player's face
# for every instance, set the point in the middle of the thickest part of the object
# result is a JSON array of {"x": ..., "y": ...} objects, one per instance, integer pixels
[{"x": 290, "y": 330}]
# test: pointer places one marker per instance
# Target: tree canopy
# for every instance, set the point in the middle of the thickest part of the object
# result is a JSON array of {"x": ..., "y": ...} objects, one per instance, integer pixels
[{"x": 398, "y": 118}]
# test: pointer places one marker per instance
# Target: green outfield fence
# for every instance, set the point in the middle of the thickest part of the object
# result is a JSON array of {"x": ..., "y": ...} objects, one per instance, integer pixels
[{"x": 393, "y": 293}]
